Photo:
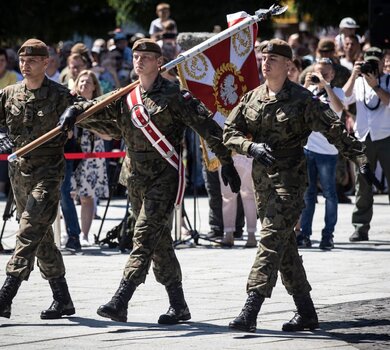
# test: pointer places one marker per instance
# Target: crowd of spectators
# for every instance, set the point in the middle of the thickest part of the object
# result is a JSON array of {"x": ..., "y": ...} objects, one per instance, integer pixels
[{"x": 109, "y": 60}]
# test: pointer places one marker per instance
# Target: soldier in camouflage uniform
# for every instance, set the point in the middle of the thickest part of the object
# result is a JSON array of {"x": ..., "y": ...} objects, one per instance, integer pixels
[
  {"x": 272, "y": 124},
  {"x": 28, "y": 110},
  {"x": 153, "y": 183}
]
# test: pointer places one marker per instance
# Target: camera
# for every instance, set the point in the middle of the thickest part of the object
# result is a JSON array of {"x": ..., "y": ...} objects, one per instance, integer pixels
[
  {"x": 314, "y": 79},
  {"x": 369, "y": 67}
]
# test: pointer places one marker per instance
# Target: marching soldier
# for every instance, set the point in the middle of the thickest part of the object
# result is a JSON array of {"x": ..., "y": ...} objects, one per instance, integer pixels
[
  {"x": 30, "y": 109},
  {"x": 280, "y": 115},
  {"x": 152, "y": 119}
]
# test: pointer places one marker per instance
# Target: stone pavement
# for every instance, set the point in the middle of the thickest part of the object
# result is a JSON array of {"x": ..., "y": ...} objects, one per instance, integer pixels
[{"x": 351, "y": 291}]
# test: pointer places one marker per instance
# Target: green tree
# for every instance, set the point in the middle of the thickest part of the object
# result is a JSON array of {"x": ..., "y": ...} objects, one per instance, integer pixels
[
  {"x": 53, "y": 20},
  {"x": 197, "y": 15},
  {"x": 330, "y": 13}
]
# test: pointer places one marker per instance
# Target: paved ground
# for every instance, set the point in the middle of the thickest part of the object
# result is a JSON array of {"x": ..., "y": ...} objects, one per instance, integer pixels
[{"x": 351, "y": 291}]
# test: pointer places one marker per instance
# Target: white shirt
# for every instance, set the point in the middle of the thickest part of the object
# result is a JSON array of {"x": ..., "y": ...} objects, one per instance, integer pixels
[
  {"x": 376, "y": 122},
  {"x": 317, "y": 142}
]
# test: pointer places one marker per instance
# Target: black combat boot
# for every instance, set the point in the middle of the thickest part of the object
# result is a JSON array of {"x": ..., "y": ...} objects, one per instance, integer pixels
[
  {"x": 62, "y": 304},
  {"x": 7, "y": 293},
  {"x": 178, "y": 309},
  {"x": 305, "y": 316},
  {"x": 116, "y": 308},
  {"x": 246, "y": 320}
]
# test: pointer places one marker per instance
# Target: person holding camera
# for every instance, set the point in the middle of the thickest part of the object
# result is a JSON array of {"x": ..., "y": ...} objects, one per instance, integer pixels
[
  {"x": 321, "y": 158},
  {"x": 368, "y": 86}
]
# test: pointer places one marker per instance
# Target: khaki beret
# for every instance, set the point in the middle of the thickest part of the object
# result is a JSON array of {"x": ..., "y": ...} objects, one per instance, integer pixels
[
  {"x": 33, "y": 47},
  {"x": 277, "y": 47},
  {"x": 147, "y": 45}
]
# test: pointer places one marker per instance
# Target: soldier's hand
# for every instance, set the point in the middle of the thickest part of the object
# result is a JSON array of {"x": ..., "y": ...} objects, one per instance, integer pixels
[
  {"x": 262, "y": 153},
  {"x": 230, "y": 176},
  {"x": 68, "y": 118},
  {"x": 370, "y": 177},
  {"x": 6, "y": 144}
]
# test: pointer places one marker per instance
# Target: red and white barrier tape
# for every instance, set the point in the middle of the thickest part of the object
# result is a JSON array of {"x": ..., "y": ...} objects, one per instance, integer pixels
[{"x": 84, "y": 155}]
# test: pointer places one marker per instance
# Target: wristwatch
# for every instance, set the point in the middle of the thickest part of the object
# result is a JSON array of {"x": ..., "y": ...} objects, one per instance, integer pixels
[{"x": 376, "y": 87}]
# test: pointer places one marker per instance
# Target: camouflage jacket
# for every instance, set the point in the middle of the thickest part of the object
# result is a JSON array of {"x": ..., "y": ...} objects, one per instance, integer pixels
[
  {"x": 285, "y": 121},
  {"x": 170, "y": 109},
  {"x": 29, "y": 114}
]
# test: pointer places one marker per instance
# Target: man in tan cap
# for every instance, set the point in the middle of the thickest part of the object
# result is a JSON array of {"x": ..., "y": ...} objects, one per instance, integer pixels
[
  {"x": 153, "y": 181},
  {"x": 280, "y": 115},
  {"x": 29, "y": 110},
  {"x": 163, "y": 11}
]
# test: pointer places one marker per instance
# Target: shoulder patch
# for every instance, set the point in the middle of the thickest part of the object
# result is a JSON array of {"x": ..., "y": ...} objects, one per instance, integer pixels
[{"x": 186, "y": 94}]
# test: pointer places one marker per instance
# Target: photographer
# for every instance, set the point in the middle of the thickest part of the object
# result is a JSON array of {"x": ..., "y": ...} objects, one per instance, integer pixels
[
  {"x": 321, "y": 158},
  {"x": 368, "y": 86}
]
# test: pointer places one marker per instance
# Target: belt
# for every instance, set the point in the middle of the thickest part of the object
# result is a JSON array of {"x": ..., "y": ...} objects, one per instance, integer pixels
[
  {"x": 44, "y": 152},
  {"x": 287, "y": 152},
  {"x": 143, "y": 156}
]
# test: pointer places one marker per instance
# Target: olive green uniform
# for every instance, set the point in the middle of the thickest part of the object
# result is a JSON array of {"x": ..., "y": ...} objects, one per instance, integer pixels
[
  {"x": 284, "y": 123},
  {"x": 35, "y": 178},
  {"x": 153, "y": 182}
]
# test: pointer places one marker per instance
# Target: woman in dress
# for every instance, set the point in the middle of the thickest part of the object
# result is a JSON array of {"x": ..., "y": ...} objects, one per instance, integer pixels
[{"x": 90, "y": 176}]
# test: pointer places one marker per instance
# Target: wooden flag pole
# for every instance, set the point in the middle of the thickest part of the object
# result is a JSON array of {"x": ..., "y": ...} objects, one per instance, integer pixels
[{"x": 258, "y": 16}]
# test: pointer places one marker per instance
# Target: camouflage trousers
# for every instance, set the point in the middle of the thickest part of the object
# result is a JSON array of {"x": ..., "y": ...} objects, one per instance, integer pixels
[
  {"x": 279, "y": 210},
  {"x": 37, "y": 205},
  {"x": 152, "y": 199}
]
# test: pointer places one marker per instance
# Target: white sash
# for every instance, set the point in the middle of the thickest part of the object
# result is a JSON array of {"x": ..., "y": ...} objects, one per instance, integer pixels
[{"x": 141, "y": 119}]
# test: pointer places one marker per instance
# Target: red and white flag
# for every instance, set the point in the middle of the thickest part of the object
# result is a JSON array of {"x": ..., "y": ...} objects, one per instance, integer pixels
[{"x": 222, "y": 74}]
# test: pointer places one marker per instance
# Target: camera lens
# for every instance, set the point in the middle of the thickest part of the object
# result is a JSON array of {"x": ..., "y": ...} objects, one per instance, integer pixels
[{"x": 314, "y": 79}]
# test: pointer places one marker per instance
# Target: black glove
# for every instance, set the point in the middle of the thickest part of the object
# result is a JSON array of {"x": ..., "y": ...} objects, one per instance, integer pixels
[
  {"x": 6, "y": 144},
  {"x": 230, "y": 176},
  {"x": 262, "y": 153},
  {"x": 369, "y": 176},
  {"x": 68, "y": 118}
]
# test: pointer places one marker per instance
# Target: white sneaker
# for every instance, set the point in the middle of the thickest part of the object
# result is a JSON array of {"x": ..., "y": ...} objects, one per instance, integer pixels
[{"x": 84, "y": 241}]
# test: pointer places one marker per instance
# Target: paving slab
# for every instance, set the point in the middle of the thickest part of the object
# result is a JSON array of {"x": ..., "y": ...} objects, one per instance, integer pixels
[{"x": 350, "y": 290}]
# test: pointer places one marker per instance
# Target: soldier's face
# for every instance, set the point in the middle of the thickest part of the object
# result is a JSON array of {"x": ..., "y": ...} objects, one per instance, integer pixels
[
  {"x": 274, "y": 66},
  {"x": 146, "y": 63},
  {"x": 33, "y": 66}
]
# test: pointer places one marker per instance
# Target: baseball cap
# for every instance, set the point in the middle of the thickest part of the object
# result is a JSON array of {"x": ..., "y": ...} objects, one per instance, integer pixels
[
  {"x": 348, "y": 22},
  {"x": 373, "y": 54}
]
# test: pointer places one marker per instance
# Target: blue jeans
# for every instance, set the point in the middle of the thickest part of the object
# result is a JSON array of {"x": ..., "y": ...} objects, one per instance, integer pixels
[
  {"x": 67, "y": 203},
  {"x": 322, "y": 166}
]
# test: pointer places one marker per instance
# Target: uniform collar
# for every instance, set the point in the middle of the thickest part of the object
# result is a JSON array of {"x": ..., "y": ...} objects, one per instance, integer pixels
[
  {"x": 40, "y": 93},
  {"x": 283, "y": 94}
]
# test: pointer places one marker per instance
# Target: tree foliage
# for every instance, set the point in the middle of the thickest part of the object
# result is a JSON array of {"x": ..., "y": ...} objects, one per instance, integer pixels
[
  {"x": 197, "y": 15},
  {"x": 53, "y": 20},
  {"x": 330, "y": 13},
  {"x": 56, "y": 20}
]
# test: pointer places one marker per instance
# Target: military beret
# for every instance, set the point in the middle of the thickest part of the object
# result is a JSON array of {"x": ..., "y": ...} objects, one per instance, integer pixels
[
  {"x": 147, "y": 45},
  {"x": 277, "y": 47},
  {"x": 33, "y": 47}
]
